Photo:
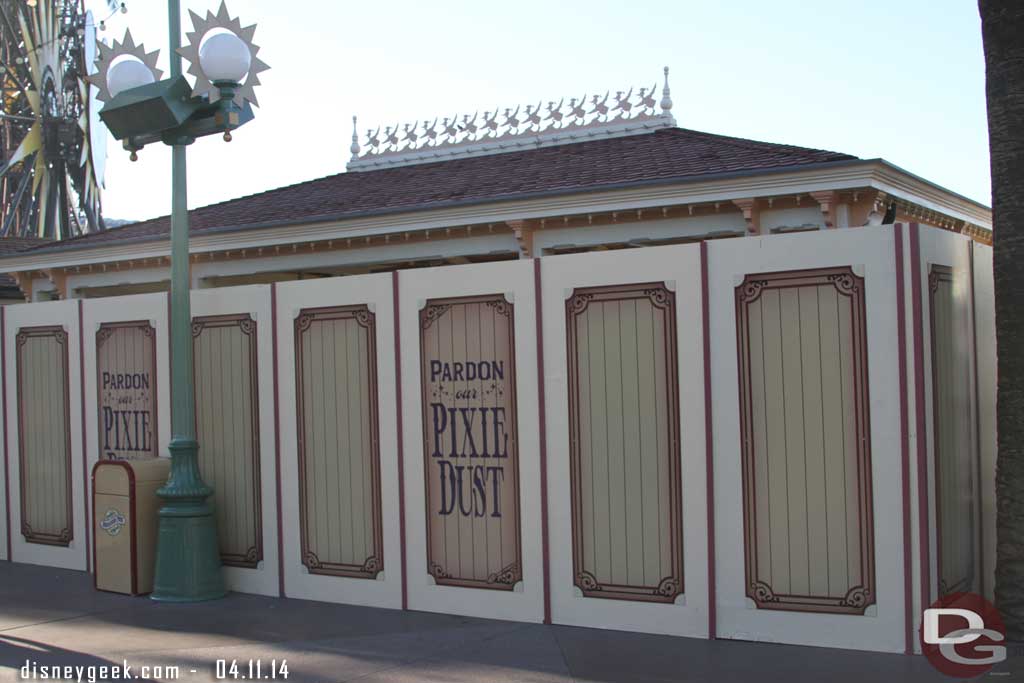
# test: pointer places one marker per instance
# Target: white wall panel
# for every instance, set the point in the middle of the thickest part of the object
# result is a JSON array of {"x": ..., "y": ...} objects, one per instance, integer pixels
[
  {"x": 515, "y": 281},
  {"x": 254, "y": 301},
  {"x": 677, "y": 268},
  {"x": 373, "y": 291},
  {"x": 63, "y": 314},
  {"x": 869, "y": 252}
]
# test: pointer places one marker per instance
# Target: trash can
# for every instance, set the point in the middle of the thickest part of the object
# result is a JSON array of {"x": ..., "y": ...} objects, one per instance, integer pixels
[{"x": 125, "y": 507}]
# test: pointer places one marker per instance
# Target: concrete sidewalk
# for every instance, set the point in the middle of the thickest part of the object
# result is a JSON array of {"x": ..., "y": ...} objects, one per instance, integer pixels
[{"x": 53, "y": 616}]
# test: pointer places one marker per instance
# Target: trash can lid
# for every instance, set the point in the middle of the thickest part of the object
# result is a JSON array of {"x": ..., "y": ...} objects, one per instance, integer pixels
[{"x": 117, "y": 476}]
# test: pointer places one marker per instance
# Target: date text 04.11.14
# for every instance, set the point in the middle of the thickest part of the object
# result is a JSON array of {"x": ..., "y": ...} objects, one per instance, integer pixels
[{"x": 251, "y": 670}]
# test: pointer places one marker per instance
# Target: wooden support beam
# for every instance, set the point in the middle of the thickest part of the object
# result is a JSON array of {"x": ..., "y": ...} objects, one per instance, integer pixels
[
  {"x": 751, "y": 214},
  {"x": 827, "y": 201},
  {"x": 60, "y": 281},
  {"x": 524, "y": 236},
  {"x": 24, "y": 282}
]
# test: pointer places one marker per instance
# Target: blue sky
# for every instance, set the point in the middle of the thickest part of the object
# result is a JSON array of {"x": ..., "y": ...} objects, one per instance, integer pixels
[{"x": 898, "y": 79}]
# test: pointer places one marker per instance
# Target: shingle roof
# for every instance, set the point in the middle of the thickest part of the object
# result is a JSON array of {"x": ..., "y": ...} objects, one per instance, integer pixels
[
  {"x": 667, "y": 154},
  {"x": 11, "y": 245}
]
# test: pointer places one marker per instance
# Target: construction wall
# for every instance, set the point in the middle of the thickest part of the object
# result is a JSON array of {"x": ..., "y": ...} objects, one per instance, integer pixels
[{"x": 763, "y": 438}]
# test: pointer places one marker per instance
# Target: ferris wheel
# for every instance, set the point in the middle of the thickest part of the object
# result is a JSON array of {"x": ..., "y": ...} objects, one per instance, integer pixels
[{"x": 52, "y": 143}]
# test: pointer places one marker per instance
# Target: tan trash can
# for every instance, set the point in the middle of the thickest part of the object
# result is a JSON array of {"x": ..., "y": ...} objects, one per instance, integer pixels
[{"x": 125, "y": 507}]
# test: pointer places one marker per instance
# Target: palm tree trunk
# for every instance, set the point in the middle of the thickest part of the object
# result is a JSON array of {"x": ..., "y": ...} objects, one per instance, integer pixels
[{"x": 1002, "y": 25}]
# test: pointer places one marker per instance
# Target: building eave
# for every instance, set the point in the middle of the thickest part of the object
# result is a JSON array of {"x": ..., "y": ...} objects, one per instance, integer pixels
[{"x": 835, "y": 175}]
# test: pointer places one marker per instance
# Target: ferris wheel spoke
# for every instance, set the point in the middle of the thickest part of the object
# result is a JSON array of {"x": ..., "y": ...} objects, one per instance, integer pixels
[{"x": 14, "y": 207}]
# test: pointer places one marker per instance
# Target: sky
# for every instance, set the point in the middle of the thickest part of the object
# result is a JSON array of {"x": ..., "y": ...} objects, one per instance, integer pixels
[{"x": 899, "y": 79}]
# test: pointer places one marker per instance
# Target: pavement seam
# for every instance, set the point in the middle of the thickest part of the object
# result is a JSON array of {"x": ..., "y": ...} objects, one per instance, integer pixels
[
  {"x": 276, "y": 643},
  {"x": 57, "y": 621},
  {"x": 561, "y": 651},
  {"x": 435, "y": 656}
]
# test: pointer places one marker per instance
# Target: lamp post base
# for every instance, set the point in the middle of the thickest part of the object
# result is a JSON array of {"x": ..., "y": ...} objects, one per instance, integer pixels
[{"x": 188, "y": 567}]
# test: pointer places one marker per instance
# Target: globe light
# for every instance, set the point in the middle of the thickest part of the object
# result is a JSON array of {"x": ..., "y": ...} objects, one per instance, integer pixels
[
  {"x": 127, "y": 74},
  {"x": 225, "y": 58}
]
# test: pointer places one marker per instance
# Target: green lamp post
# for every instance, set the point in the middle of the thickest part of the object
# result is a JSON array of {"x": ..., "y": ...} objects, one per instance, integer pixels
[{"x": 141, "y": 109}]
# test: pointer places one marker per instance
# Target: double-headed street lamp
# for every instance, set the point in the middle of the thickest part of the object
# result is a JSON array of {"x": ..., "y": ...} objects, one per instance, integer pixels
[{"x": 141, "y": 109}]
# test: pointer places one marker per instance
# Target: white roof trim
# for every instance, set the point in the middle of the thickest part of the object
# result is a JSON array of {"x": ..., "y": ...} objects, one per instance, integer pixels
[{"x": 840, "y": 176}]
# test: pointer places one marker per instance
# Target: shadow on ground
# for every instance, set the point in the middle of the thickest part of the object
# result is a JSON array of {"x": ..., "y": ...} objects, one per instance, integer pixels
[{"x": 53, "y": 616}]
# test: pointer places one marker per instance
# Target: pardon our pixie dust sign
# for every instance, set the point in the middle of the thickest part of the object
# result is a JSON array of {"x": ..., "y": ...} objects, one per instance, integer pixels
[
  {"x": 126, "y": 380},
  {"x": 471, "y": 462}
]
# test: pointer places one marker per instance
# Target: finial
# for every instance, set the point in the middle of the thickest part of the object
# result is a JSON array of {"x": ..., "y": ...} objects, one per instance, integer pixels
[
  {"x": 355, "y": 140},
  {"x": 666, "y": 96}
]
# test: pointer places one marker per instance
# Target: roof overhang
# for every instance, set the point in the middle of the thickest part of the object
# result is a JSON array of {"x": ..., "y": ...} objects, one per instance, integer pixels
[{"x": 837, "y": 175}]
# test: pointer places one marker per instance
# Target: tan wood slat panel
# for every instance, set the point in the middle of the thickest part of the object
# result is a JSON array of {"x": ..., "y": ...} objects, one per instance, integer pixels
[
  {"x": 624, "y": 444},
  {"x": 755, "y": 359},
  {"x": 647, "y": 446},
  {"x": 795, "y": 453},
  {"x": 356, "y": 400},
  {"x": 583, "y": 506},
  {"x": 339, "y": 461},
  {"x": 471, "y": 348},
  {"x": 44, "y": 436},
  {"x": 803, "y": 396},
  {"x": 814, "y": 442},
  {"x": 953, "y": 452},
  {"x": 470, "y": 441},
  {"x": 775, "y": 455},
  {"x": 227, "y": 428},
  {"x": 126, "y": 383},
  {"x": 598, "y": 401},
  {"x": 833, "y": 429},
  {"x": 850, "y": 431},
  {"x": 616, "y": 458},
  {"x": 632, "y": 449}
]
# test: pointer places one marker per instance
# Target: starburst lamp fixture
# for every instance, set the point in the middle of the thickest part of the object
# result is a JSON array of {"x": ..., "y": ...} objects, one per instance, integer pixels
[{"x": 140, "y": 108}]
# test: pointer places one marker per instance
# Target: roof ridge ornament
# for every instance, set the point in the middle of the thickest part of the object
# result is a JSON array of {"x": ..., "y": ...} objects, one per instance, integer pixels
[{"x": 511, "y": 129}]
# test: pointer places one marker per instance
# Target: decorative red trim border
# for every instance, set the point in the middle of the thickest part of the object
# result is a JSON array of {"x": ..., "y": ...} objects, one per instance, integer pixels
[
  {"x": 132, "y": 521},
  {"x": 504, "y": 578},
  {"x": 709, "y": 440},
  {"x": 542, "y": 426},
  {"x": 901, "y": 344},
  {"x": 7, "y": 469},
  {"x": 663, "y": 299},
  {"x": 86, "y": 499},
  {"x": 250, "y": 328},
  {"x": 858, "y": 597},
  {"x": 399, "y": 436},
  {"x": 67, "y": 534},
  {"x": 150, "y": 331},
  {"x": 923, "y": 516},
  {"x": 277, "y": 442},
  {"x": 374, "y": 563}
]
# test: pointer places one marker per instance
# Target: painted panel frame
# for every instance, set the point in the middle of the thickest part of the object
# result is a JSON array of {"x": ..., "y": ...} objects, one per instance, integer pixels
[
  {"x": 663, "y": 300},
  {"x": 253, "y": 555},
  {"x": 373, "y": 564},
  {"x": 507, "y": 576},
  {"x": 65, "y": 535},
  {"x": 848, "y": 284},
  {"x": 103, "y": 334}
]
